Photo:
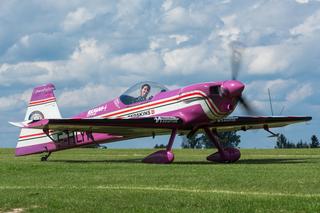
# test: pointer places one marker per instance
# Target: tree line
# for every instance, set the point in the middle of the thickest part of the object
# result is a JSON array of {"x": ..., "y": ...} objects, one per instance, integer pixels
[
  {"x": 231, "y": 139},
  {"x": 201, "y": 141},
  {"x": 284, "y": 143}
]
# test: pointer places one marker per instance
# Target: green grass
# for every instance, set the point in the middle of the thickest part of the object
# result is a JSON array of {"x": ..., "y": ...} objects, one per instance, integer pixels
[{"x": 95, "y": 180}]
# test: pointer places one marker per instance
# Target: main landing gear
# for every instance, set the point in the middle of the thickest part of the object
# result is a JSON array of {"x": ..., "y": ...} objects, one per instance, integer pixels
[
  {"x": 162, "y": 156},
  {"x": 224, "y": 155},
  {"x": 45, "y": 158}
]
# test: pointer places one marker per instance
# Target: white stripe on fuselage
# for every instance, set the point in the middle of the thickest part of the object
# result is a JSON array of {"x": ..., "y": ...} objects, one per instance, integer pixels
[
  {"x": 170, "y": 104},
  {"x": 175, "y": 104}
]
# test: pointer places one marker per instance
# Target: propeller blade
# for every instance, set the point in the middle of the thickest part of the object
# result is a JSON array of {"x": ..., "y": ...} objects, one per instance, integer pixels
[
  {"x": 247, "y": 107},
  {"x": 236, "y": 58}
]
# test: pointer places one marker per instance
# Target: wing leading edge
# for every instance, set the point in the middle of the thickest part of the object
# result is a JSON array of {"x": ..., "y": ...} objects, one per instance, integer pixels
[
  {"x": 252, "y": 122},
  {"x": 161, "y": 125}
]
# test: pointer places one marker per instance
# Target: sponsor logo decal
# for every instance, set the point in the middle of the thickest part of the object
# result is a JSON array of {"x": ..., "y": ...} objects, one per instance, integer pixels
[
  {"x": 166, "y": 120},
  {"x": 142, "y": 113},
  {"x": 36, "y": 116},
  {"x": 43, "y": 90},
  {"x": 93, "y": 112}
]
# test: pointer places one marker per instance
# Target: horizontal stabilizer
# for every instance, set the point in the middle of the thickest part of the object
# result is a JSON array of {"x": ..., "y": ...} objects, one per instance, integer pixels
[{"x": 21, "y": 124}]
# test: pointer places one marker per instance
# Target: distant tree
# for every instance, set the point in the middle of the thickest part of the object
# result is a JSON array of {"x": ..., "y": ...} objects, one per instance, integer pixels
[
  {"x": 205, "y": 142},
  {"x": 228, "y": 139},
  {"x": 185, "y": 142},
  {"x": 191, "y": 143},
  {"x": 160, "y": 146},
  {"x": 314, "y": 142},
  {"x": 283, "y": 143},
  {"x": 290, "y": 145},
  {"x": 301, "y": 145}
]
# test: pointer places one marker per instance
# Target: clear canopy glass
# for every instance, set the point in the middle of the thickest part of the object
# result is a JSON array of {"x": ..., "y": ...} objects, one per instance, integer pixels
[{"x": 142, "y": 91}]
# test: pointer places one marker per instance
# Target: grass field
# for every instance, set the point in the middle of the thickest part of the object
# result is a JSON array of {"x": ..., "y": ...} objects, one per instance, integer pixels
[{"x": 96, "y": 180}]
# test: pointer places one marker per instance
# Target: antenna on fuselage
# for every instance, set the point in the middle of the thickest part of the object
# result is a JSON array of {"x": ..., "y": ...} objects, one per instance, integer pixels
[
  {"x": 270, "y": 101},
  {"x": 281, "y": 111},
  {"x": 271, "y": 106}
]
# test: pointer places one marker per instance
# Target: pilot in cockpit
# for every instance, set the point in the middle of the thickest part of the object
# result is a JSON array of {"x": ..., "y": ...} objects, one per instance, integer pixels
[
  {"x": 141, "y": 92},
  {"x": 145, "y": 89}
]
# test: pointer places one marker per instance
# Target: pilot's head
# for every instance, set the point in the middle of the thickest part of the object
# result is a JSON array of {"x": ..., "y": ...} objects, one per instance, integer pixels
[{"x": 145, "y": 89}]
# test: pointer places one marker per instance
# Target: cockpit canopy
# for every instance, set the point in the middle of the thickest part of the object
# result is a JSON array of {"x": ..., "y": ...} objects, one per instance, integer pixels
[{"x": 142, "y": 91}]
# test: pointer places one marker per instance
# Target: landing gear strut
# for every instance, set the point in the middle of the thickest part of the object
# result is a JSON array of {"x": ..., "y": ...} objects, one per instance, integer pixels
[
  {"x": 163, "y": 156},
  {"x": 45, "y": 158},
  {"x": 224, "y": 155}
]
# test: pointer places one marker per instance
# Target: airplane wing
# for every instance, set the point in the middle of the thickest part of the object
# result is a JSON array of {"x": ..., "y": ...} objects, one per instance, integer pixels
[
  {"x": 133, "y": 127},
  {"x": 140, "y": 127},
  {"x": 253, "y": 122}
]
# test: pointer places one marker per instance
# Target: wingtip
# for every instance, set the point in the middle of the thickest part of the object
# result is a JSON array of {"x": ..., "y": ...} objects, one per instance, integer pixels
[{"x": 307, "y": 118}]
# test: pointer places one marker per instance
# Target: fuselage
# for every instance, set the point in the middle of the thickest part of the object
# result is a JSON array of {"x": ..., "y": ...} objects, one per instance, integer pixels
[{"x": 195, "y": 103}]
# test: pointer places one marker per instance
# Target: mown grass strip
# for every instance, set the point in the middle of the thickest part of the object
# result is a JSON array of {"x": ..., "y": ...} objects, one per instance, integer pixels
[{"x": 154, "y": 188}]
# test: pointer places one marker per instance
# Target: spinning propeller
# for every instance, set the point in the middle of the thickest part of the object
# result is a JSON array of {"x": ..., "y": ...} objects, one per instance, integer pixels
[{"x": 237, "y": 49}]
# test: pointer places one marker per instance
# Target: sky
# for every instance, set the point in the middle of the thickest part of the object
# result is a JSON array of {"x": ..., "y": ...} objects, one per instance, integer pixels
[{"x": 92, "y": 51}]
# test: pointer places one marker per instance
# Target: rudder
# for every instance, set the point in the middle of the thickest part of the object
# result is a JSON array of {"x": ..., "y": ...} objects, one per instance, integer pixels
[{"x": 42, "y": 105}]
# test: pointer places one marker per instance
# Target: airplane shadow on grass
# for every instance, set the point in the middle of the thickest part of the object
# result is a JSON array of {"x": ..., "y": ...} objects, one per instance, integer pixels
[
  {"x": 98, "y": 161},
  {"x": 275, "y": 161},
  {"x": 244, "y": 161}
]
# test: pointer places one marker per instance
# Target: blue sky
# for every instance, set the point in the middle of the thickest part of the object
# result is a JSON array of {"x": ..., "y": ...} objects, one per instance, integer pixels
[{"x": 94, "y": 50}]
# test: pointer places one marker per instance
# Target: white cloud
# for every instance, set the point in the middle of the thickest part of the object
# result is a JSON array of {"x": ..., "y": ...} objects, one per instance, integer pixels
[
  {"x": 285, "y": 93},
  {"x": 82, "y": 63},
  {"x": 77, "y": 18},
  {"x": 229, "y": 32},
  {"x": 267, "y": 59},
  {"x": 309, "y": 25},
  {"x": 180, "y": 38},
  {"x": 155, "y": 44},
  {"x": 278, "y": 88},
  {"x": 13, "y": 102},
  {"x": 88, "y": 49},
  {"x": 299, "y": 93},
  {"x": 176, "y": 16},
  {"x": 88, "y": 96},
  {"x": 302, "y": 1},
  {"x": 25, "y": 40},
  {"x": 140, "y": 63},
  {"x": 181, "y": 19},
  {"x": 184, "y": 60},
  {"x": 131, "y": 14},
  {"x": 167, "y": 4},
  {"x": 196, "y": 59},
  {"x": 166, "y": 43},
  {"x": 25, "y": 73}
]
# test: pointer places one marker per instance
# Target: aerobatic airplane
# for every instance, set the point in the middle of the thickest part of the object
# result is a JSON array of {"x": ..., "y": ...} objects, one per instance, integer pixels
[{"x": 146, "y": 109}]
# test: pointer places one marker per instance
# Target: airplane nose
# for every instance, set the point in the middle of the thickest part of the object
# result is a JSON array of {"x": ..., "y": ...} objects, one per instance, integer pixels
[{"x": 232, "y": 88}]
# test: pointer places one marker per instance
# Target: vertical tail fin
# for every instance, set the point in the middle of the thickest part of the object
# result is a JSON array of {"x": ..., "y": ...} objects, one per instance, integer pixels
[{"x": 42, "y": 105}]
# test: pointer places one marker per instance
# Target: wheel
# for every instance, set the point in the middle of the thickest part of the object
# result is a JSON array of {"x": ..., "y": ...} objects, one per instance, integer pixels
[{"x": 231, "y": 155}]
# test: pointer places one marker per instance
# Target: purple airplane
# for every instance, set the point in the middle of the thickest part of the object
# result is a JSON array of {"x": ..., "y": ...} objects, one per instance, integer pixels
[
  {"x": 146, "y": 109},
  {"x": 158, "y": 111}
]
